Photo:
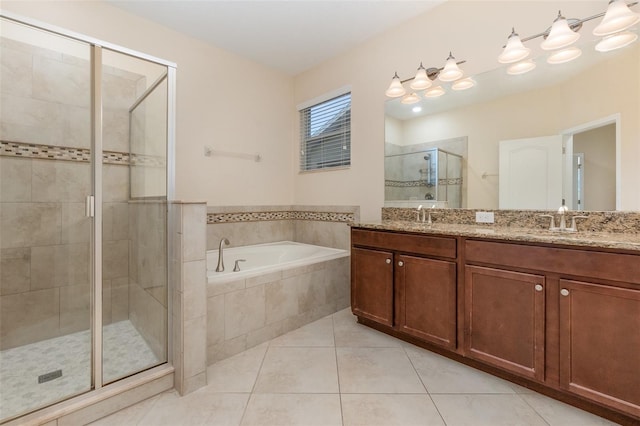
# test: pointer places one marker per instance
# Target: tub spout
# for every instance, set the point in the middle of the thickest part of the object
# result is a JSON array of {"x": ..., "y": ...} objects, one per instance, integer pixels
[{"x": 220, "y": 267}]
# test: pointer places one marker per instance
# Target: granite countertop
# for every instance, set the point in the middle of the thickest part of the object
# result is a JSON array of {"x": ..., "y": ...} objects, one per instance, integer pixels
[{"x": 610, "y": 240}]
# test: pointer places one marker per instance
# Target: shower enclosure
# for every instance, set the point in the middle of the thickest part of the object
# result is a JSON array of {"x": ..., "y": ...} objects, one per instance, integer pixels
[
  {"x": 85, "y": 162},
  {"x": 429, "y": 175}
]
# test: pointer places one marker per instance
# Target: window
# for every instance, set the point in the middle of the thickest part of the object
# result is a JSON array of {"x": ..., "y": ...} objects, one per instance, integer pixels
[{"x": 325, "y": 134}]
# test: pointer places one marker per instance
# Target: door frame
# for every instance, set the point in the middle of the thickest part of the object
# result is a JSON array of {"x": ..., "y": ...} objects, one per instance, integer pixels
[{"x": 567, "y": 143}]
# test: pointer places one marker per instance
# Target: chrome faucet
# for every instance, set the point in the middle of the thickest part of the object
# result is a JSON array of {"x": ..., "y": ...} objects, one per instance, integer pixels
[
  {"x": 220, "y": 267},
  {"x": 418, "y": 213},
  {"x": 429, "y": 222},
  {"x": 562, "y": 211}
]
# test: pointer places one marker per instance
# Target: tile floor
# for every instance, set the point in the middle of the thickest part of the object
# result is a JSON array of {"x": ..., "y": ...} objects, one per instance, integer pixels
[
  {"x": 337, "y": 372},
  {"x": 125, "y": 352}
]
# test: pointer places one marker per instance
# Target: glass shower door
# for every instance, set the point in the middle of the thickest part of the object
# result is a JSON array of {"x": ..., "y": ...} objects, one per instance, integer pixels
[
  {"x": 134, "y": 210},
  {"x": 45, "y": 236}
]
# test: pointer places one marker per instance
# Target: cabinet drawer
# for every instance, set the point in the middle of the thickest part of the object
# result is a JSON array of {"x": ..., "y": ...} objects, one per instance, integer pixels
[
  {"x": 601, "y": 265},
  {"x": 408, "y": 243}
]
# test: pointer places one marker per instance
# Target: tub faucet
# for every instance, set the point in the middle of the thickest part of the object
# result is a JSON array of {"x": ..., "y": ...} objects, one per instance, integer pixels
[{"x": 220, "y": 267}]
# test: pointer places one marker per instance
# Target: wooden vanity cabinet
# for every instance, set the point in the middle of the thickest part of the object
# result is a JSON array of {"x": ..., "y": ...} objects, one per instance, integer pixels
[
  {"x": 372, "y": 285},
  {"x": 589, "y": 325},
  {"x": 505, "y": 320},
  {"x": 406, "y": 289},
  {"x": 425, "y": 299},
  {"x": 600, "y": 343}
]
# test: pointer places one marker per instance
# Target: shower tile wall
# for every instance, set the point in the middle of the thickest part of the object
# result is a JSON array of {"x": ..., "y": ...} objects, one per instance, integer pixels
[{"x": 44, "y": 242}]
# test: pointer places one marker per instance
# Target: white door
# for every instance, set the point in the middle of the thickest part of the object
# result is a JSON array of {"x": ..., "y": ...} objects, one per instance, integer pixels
[{"x": 530, "y": 175}]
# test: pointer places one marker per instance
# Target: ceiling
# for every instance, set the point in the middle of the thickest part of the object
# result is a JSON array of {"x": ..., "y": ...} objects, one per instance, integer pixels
[{"x": 291, "y": 36}]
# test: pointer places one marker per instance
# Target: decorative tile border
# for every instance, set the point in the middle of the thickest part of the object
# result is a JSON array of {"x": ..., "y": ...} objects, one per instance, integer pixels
[
  {"x": 415, "y": 183},
  {"x": 83, "y": 155},
  {"x": 213, "y": 218}
]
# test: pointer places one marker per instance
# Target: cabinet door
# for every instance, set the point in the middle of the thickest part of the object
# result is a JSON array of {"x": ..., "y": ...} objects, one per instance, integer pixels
[
  {"x": 426, "y": 299},
  {"x": 600, "y": 343},
  {"x": 505, "y": 319},
  {"x": 372, "y": 285}
]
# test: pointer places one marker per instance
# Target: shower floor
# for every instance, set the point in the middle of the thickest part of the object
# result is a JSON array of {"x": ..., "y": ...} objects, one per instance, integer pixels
[{"x": 125, "y": 352}]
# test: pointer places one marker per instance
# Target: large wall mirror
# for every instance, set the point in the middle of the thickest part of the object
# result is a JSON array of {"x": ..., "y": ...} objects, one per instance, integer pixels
[{"x": 568, "y": 132}]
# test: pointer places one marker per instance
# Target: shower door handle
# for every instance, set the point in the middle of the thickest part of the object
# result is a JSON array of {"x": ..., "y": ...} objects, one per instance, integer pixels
[{"x": 90, "y": 206}]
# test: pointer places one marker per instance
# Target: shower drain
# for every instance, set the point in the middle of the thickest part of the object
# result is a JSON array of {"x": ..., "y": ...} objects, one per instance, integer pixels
[{"x": 47, "y": 377}]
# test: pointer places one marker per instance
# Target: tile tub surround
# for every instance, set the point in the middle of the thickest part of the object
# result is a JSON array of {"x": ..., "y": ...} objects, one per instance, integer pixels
[
  {"x": 244, "y": 313},
  {"x": 249, "y": 225},
  {"x": 267, "y": 306},
  {"x": 613, "y": 222}
]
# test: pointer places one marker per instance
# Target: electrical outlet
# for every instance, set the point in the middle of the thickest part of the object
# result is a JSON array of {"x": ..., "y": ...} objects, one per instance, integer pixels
[{"x": 484, "y": 217}]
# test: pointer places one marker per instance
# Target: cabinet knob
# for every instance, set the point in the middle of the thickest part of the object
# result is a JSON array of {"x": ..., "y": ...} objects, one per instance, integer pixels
[
  {"x": 387, "y": 261},
  {"x": 538, "y": 287},
  {"x": 564, "y": 292},
  {"x": 400, "y": 263}
]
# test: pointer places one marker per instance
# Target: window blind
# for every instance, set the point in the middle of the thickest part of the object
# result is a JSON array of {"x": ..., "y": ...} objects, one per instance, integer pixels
[{"x": 325, "y": 134}]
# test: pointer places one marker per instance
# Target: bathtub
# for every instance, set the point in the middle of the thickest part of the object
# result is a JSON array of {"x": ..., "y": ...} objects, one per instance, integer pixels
[{"x": 267, "y": 258}]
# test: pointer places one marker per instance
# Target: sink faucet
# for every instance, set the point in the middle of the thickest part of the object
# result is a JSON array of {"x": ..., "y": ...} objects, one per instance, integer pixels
[
  {"x": 429, "y": 221},
  {"x": 220, "y": 267},
  {"x": 418, "y": 213},
  {"x": 562, "y": 211}
]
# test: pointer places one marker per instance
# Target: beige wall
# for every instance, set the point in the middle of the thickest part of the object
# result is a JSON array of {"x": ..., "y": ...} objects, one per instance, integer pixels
[
  {"x": 473, "y": 30},
  {"x": 599, "y": 149},
  {"x": 215, "y": 105}
]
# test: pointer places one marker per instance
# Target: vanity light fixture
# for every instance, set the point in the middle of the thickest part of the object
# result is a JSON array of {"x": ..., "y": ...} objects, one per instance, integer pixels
[
  {"x": 560, "y": 35},
  {"x": 451, "y": 70},
  {"x": 618, "y": 17},
  {"x": 416, "y": 109},
  {"x": 564, "y": 55},
  {"x": 616, "y": 41},
  {"x": 564, "y": 32},
  {"x": 521, "y": 67},
  {"x": 434, "y": 92},
  {"x": 514, "y": 51},
  {"x": 410, "y": 99},
  {"x": 421, "y": 81},
  {"x": 395, "y": 89},
  {"x": 424, "y": 79},
  {"x": 463, "y": 84}
]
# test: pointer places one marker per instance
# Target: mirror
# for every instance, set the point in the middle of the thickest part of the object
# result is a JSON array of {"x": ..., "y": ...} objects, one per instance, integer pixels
[{"x": 589, "y": 106}]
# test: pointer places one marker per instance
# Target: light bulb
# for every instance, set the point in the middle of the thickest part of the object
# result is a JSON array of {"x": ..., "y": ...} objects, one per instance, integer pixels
[
  {"x": 463, "y": 84},
  {"x": 395, "y": 89},
  {"x": 616, "y": 41},
  {"x": 434, "y": 92},
  {"x": 421, "y": 81},
  {"x": 564, "y": 55},
  {"x": 521, "y": 67},
  {"x": 410, "y": 99},
  {"x": 618, "y": 17},
  {"x": 451, "y": 70},
  {"x": 560, "y": 35},
  {"x": 514, "y": 51}
]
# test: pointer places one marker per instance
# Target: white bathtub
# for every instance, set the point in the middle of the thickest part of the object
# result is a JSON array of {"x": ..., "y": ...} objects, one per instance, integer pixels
[{"x": 266, "y": 258}]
